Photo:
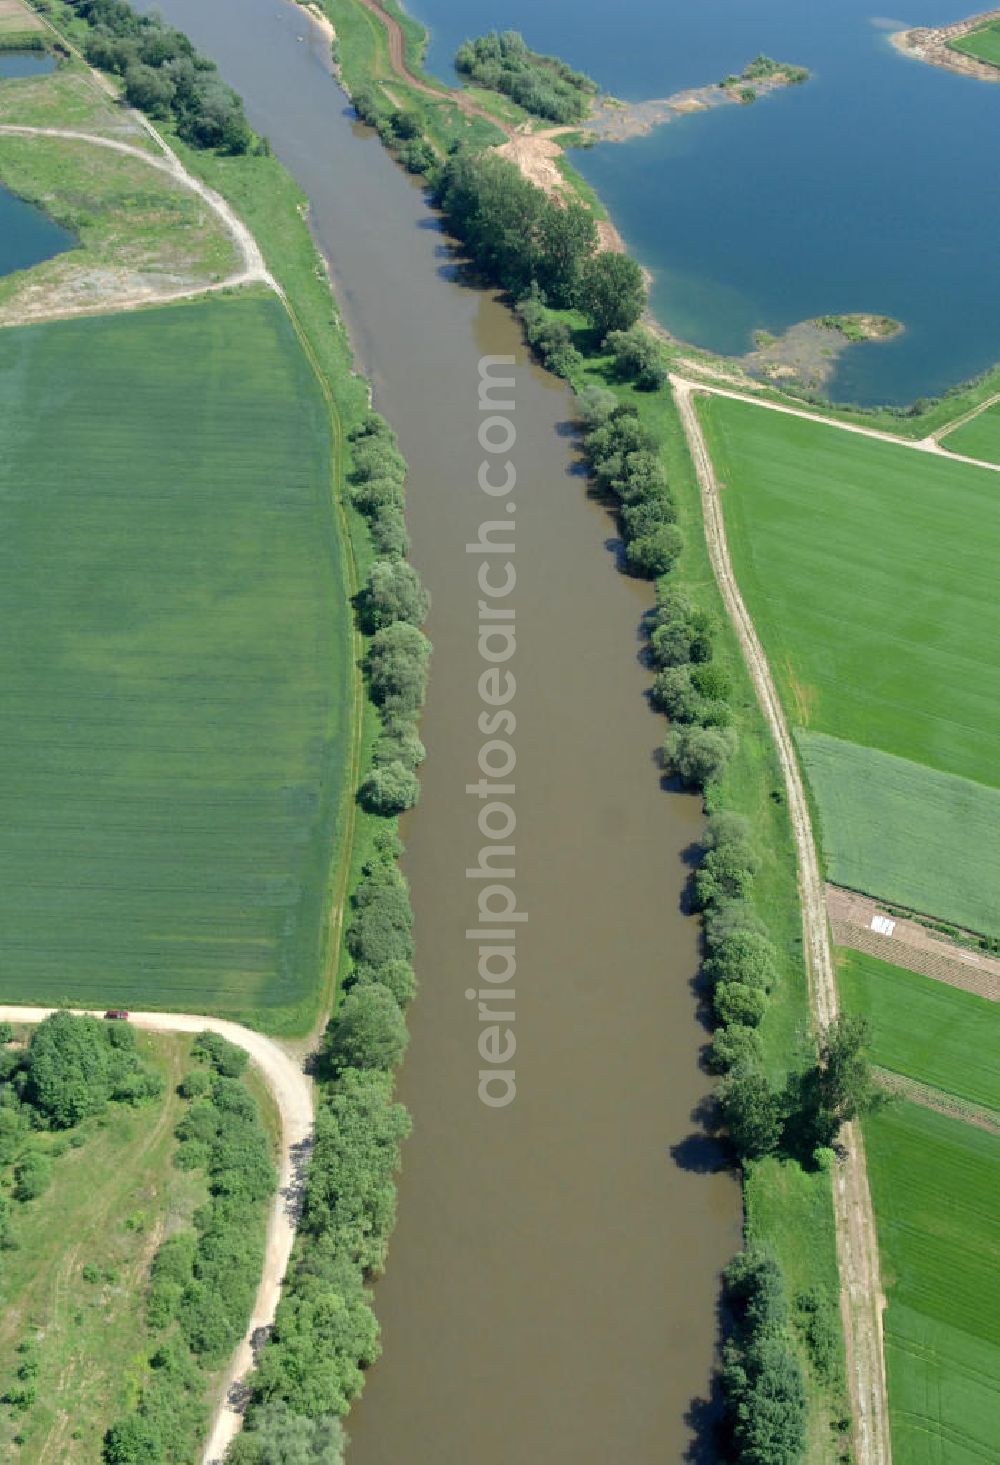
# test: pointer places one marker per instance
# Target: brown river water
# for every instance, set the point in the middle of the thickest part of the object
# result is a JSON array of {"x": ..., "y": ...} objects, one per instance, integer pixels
[{"x": 551, "y": 1295}]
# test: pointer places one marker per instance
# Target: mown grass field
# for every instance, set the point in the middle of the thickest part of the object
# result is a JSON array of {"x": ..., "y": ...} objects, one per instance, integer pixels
[
  {"x": 176, "y": 665},
  {"x": 984, "y": 44},
  {"x": 905, "y": 832},
  {"x": 979, "y": 438},
  {"x": 936, "y": 1189},
  {"x": 925, "y": 1029},
  {"x": 89, "y": 1335}
]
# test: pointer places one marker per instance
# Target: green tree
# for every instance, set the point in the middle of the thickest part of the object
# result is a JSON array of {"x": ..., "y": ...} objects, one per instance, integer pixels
[
  {"x": 393, "y": 593},
  {"x": 397, "y": 667},
  {"x": 567, "y": 239},
  {"x": 148, "y": 89},
  {"x": 132, "y": 1441},
  {"x": 276, "y": 1436},
  {"x": 389, "y": 789},
  {"x": 655, "y": 552},
  {"x": 397, "y": 975},
  {"x": 752, "y": 1113},
  {"x": 351, "y": 1196},
  {"x": 611, "y": 292},
  {"x": 368, "y": 1031},
  {"x": 68, "y": 1069},
  {"x": 698, "y": 754},
  {"x": 638, "y": 357}
]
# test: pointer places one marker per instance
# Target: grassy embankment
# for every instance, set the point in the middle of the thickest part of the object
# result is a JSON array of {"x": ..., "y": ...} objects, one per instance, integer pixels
[
  {"x": 983, "y": 44},
  {"x": 875, "y": 603}
]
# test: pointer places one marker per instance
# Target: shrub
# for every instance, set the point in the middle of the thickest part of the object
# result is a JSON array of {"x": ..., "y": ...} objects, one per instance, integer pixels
[
  {"x": 697, "y": 755},
  {"x": 638, "y": 358},
  {"x": 654, "y": 553},
  {"x": 393, "y": 593},
  {"x": 735, "y": 1003},
  {"x": 397, "y": 975},
  {"x": 389, "y": 789},
  {"x": 397, "y": 667},
  {"x": 735, "y": 1047},
  {"x": 611, "y": 292},
  {"x": 752, "y": 1113}
]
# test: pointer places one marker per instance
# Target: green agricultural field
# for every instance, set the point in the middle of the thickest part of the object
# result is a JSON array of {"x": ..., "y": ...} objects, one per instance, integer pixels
[
  {"x": 984, "y": 44},
  {"x": 870, "y": 572},
  {"x": 924, "y": 1029},
  {"x": 979, "y": 438},
  {"x": 176, "y": 662},
  {"x": 906, "y": 833},
  {"x": 936, "y": 1189}
]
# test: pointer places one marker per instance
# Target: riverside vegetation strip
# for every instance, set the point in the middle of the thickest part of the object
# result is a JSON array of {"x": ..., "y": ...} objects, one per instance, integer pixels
[{"x": 326, "y": 1332}]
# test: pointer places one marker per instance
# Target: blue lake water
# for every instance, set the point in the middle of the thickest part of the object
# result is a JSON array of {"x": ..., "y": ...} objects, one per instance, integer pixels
[
  {"x": 27, "y": 236},
  {"x": 873, "y": 187},
  {"x": 26, "y": 63}
]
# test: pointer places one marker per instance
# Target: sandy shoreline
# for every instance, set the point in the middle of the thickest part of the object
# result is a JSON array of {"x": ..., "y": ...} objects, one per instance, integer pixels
[{"x": 931, "y": 46}]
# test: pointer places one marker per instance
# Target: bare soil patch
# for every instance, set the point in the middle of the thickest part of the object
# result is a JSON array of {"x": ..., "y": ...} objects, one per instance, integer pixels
[
  {"x": 910, "y": 945},
  {"x": 15, "y": 17}
]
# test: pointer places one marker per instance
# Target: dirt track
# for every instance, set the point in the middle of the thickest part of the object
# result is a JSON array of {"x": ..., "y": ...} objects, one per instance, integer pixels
[
  {"x": 292, "y": 1092},
  {"x": 920, "y": 445},
  {"x": 253, "y": 270},
  {"x": 862, "y": 1300}
]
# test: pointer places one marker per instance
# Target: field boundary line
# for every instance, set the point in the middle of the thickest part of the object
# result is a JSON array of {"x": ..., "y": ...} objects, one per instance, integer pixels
[
  {"x": 862, "y": 1299},
  {"x": 929, "y": 1096},
  {"x": 961, "y": 421},
  {"x": 929, "y": 445},
  {"x": 911, "y": 945}
]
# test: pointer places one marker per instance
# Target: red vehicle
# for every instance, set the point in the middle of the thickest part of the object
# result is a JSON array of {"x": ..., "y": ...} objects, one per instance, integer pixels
[{"x": 117, "y": 1013}]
